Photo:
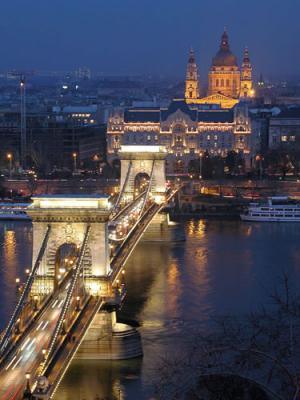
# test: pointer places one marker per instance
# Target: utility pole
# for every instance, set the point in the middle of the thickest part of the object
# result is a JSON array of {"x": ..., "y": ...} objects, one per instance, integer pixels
[{"x": 23, "y": 151}]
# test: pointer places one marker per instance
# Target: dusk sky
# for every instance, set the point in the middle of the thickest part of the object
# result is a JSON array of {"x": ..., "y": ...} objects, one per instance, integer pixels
[{"x": 147, "y": 36}]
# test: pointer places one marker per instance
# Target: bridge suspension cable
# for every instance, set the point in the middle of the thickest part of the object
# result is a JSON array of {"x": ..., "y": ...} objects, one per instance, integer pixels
[
  {"x": 123, "y": 189},
  {"x": 148, "y": 189},
  {"x": 68, "y": 298},
  {"x": 28, "y": 285}
]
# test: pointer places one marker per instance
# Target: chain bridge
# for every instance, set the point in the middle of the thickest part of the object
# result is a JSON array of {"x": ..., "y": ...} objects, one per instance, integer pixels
[{"x": 66, "y": 307}]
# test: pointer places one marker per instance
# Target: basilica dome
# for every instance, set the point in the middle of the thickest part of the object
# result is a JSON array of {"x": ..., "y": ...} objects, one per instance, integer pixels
[{"x": 224, "y": 57}]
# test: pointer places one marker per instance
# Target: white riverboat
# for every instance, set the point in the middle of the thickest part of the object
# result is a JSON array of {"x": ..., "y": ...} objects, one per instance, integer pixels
[
  {"x": 276, "y": 209},
  {"x": 14, "y": 211}
]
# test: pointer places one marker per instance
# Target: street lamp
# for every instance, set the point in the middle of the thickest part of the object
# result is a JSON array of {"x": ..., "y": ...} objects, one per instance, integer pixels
[
  {"x": 35, "y": 299},
  {"x": 44, "y": 352},
  {"x": 123, "y": 276},
  {"x": 200, "y": 166},
  {"x": 27, "y": 391},
  {"x": 78, "y": 303},
  {"x": 259, "y": 158},
  {"x": 74, "y": 155},
  {"x": 9, "y": 157}
]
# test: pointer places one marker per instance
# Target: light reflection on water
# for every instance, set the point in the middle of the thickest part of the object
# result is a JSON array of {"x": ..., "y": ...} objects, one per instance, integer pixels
[
  {"x": 15, "y": 257},
  {"x": 173, "y": 291}
]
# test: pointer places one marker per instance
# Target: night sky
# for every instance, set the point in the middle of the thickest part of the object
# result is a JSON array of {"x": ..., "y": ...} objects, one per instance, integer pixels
[{"x": 147, "y": 37}]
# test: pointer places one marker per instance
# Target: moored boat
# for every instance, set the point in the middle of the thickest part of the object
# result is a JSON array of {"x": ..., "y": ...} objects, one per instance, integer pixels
[
  {"x": 14, "y": 211},
  {"x": 276, "y": 209}
]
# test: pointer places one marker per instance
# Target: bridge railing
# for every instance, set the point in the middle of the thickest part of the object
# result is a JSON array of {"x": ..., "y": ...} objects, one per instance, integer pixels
[
  {"x": 24, "y": 295},
  {"x": 148, "y": 188}
]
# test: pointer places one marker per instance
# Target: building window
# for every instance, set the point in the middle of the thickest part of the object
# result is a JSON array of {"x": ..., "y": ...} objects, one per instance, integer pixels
[
  {"x": 148, "y": 137},
  {"x": 208, "y": 137},
  {"x": 222, "y": 82},
  {"x": 227, "y": 82},
  {"x": 216, "y": 137},
  {"x": 284, "y": 138},
  {"x": 292, "y": 138},
  {"x": 217, "y": 83},
  {"x": 156, "y": 137}
]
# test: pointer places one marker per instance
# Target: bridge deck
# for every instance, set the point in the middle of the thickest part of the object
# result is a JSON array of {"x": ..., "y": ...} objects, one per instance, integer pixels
[
  {"x": 70, "y": 345},
  {"x": 28, "y": 355}
]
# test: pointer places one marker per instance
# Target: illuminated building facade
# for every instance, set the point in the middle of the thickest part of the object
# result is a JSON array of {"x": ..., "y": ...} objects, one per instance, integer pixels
[
  {"x": 227, "y": 83},
  {"x": 186, "y": 131}
]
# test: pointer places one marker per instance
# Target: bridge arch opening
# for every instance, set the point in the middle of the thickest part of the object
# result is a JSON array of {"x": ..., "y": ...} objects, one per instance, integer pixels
[
  {"x": 141, "y": 182},
  {"x": 65, "y": 259}
]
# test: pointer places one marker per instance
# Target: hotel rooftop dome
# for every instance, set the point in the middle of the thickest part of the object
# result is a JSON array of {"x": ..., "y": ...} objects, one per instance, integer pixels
[{"x": 224, "y": 57}]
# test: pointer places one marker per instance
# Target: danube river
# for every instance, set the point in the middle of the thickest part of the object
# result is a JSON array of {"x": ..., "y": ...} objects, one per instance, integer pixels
[{"x": 174, "y": 291}]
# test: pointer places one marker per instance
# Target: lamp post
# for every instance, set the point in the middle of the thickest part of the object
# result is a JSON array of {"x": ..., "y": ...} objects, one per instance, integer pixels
[
  {"x": 9, "y": 157},
  {"x": 200, "y": 165},
  {"x": 78, "y": 303},
  {"x": 259, "y": 158},
  {"x": 123, "y": 277},
  {"x": 44, "y": 352},
  {"x": 74, "y": 155},
  {"x": 27, "y": 392},
  {"x": 35, "y": 300},
  {"x": 18, "y": 286}
]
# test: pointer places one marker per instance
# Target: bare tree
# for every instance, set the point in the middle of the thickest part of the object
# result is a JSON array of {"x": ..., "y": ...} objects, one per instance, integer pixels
[{"x": 262, "y": 349}]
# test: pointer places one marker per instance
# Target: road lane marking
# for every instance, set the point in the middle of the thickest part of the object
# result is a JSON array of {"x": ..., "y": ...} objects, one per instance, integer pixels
[
  {"x": 25, "y": 344},
  {"x": 18, "y": 362},
  {"x": 30, "y": 344},
  {"x": 46, "y": 323},
  {"x": 10, "y": 363},
  {"x": 40, "y": 324},
  {"x": 54, "y": 304}
]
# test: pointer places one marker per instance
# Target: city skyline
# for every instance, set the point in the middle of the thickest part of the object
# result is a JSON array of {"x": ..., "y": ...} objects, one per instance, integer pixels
[{"x": 132, "y": 37}]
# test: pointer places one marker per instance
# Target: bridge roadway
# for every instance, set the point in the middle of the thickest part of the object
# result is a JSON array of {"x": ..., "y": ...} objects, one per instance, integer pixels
[
  {"x": 70, "y": 344},
  {"x": 127, "y": 247},
  {"x": 128, "y": 207},
  {"x": 28, "y": 355}
]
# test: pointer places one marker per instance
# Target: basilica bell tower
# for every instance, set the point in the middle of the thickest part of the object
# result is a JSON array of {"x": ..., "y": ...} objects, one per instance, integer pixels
[
  {"x": 246, "y": 77},
  {"x": 192, "y": 90}
]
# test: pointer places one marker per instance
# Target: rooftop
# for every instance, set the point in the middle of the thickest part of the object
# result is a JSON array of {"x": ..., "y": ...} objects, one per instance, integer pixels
[{"x": 155, "y": 115}]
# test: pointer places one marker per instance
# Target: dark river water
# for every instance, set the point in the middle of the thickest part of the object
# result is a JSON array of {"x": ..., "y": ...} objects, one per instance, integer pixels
[{"x": 174, "y": 290}]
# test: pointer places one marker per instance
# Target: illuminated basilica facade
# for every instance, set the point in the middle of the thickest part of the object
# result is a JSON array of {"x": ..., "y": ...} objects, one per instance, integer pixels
[
  {"x": 227, "y": 83},
  {"x": 188, "y": 128}
]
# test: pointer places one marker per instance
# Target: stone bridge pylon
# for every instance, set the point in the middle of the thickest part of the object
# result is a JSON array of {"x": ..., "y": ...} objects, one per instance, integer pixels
[
  {"x": 143, "y": 160},
  {"x": 68, "y": 217}
]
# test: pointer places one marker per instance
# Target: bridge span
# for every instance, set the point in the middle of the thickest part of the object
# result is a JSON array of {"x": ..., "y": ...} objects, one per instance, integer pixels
[{"x": 80, "y": 247}]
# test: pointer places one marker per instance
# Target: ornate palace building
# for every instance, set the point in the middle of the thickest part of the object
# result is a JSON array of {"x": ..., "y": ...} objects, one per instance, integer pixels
[{"x": 215, "y": 124}]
